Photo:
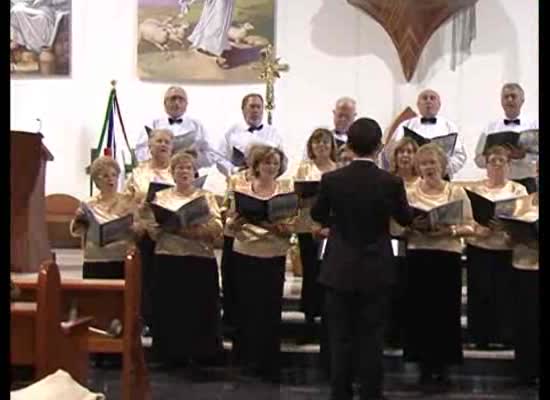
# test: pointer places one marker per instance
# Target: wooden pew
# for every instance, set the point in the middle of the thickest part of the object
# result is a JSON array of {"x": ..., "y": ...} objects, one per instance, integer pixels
[
  {"x": 106, "y": 300},
  {"x": 38, "y": 338}
]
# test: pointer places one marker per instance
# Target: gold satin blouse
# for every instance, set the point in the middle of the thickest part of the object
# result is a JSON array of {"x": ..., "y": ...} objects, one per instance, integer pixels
[
  {"x": 255, "y": 241},
  {"x": 137, "y": 184},
  {"x": 524, "y": 257},
  {"x": 497, "y": 240},
  {"x": 417, "y": 198},
  {"x": 235, "y": 181},
  {"x": 105, "y": 210},
  {"x": 307, "y": 171},
  {"x": 175, "y": 245}
]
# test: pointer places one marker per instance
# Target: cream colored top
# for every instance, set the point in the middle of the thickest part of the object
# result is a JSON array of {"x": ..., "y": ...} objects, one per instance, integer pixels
[
  {"x": 176, "y": 245},
  {"x": 397, "y": 230},
  {"x": 417, "y": 198},
  {"x": 234, "y": 182},
  {"x": 253, "y": 240},
  {"x": 307, "y": 171},
  {"x": 137, "y": 184},
  {"x": 525, "y": 257},
  {"x": 497, "y": 240},
  {"x": 119, "y": 205}
]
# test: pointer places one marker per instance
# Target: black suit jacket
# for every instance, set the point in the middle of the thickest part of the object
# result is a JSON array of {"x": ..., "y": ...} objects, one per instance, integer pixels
[{"x": 357, "y": 202}]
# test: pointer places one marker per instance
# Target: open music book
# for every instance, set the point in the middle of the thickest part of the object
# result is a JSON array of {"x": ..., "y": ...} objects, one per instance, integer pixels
[
  {"x": 528, "y": 140},
  {"x": 280, "y": 206},
  {"x": 446, "y": 142},
  {"x": 485, "y": 209},
  {"x": 108, "y": 232},
  {"x": 446, "y": 214},
  {"x": 518, "y": 227},
  {"x": 238, "y": 158},
  {"x": 194, "y": 212}
]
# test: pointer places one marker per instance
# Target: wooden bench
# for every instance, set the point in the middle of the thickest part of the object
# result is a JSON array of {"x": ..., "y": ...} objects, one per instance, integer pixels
[
  {"x": 106, "y": 300},
  {"x": 39, "y": 339}
]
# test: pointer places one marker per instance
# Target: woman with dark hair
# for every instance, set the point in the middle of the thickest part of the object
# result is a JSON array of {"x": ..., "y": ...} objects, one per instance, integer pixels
[
  {"x": 259, "y": 253},
  {"x": 321, "y": 151},
  {"x": 402, "y": 165}
]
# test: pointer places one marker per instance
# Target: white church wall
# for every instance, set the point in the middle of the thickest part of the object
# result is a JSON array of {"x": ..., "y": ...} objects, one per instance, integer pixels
[{"x": 333, "y": 50}]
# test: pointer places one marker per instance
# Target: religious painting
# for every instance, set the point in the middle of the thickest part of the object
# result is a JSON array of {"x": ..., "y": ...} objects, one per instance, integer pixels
[
  {"x": 40, "y": 38},
  {"x": 203, "y": 40}
]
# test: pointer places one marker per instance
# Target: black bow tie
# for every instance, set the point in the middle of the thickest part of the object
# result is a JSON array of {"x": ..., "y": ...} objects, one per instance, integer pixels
[
  {"x": 511, "y": 121},
  {"x": 425, "y": 120},
  {"x": 255, "y": 128},
  {"x": 339, "y": 132},
  {"x": 173, "y": 121}
]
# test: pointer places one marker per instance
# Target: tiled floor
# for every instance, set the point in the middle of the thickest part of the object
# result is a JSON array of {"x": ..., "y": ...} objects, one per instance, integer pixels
[{"x": 300, "y": 383}]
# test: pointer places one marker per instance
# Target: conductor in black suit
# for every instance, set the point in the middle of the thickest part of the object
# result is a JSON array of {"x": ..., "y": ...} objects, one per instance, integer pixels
[{"x": 357, "y": 202}]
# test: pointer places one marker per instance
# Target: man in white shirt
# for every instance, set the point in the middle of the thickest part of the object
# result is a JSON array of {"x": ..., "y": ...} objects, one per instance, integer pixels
[
  {"x": 430, "y": 125},
  {"x": 343, "y": 115},
  {"x": 522, "y": 164},
  {"x": 246, "y": 133},
  {"x": 187, "y": 131}
]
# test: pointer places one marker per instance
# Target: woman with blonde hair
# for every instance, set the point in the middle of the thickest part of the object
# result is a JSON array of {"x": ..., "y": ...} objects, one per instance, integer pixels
[
  {"x": 433, "y": 336},
  {"x": 104, "y": 262},
  {"x": 186, "y": 273},
  {"x": 156, "y": 169},
  {"x": 259, "y": 253},
  {"x": 402, "y": 165},
  {"x": 321, "y": 151}
]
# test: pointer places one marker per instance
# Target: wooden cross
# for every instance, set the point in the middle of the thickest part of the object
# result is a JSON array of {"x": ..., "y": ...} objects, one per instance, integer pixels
[{"x": 270, "y": 69}]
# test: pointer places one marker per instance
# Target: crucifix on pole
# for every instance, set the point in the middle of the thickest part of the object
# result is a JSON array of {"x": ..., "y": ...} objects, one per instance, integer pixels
[{"x": 270, "y": 68}]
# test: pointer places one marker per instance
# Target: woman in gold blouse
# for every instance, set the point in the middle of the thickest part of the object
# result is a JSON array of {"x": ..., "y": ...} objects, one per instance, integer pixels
[
  {"x": 186, "y": 276},
  {"x": 229, "y": 291},
  {"x": 433, "y": 331},
  {"x": 259, "y": 253},
  {"x": 106, "y": 262},
  {"x": 489, "y": 275},
  {"x": 157, "y": 169},
  {"x": 402, "y": 165},
  {"x": 321, "y": 152}
]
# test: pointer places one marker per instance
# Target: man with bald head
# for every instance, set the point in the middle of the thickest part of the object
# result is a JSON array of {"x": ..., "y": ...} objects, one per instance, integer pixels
[
  {"x": 343, "y": 115},
  {"x": 430, "y": 125},
  {"x": 187, "y": 131},
  {"x": 522, "y": 164}
]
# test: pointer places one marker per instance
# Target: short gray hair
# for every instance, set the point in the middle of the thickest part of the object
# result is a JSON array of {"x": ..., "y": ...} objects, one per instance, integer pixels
[
  {"x": 345, "y": 99},
  {"x": 513, "y": 85},
  {"x": 101, "y": 164}
]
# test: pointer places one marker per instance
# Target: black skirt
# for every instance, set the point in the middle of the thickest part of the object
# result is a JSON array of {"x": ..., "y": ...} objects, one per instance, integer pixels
[
  {"x": 433, "y": 334},
  {"x": 103, "y": 270},
  {"x": 228, "y": 283},
  {"x": 527, "y": 333},
  {"x": 259, "y": 282},
  {"x": 186, "y": 310},
  {"x": 311, "y": 299},
  {"x": 146, "y": 248},
  {"x": 490, "y": 282},
  {"x": 398, "y": 302}
]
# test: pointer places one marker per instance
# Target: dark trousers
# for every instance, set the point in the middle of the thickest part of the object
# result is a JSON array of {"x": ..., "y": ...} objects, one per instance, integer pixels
[
  {"x": 146, "y": 248},
  {"x": 490, "y": 305},
  {"x": 530, "y": 184},
  {"x": 356, "y": 319},
  {"x": 398, "y": 302},
  {"x": 527, "y": 328},
  {"x": 311, "y": 296}
]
